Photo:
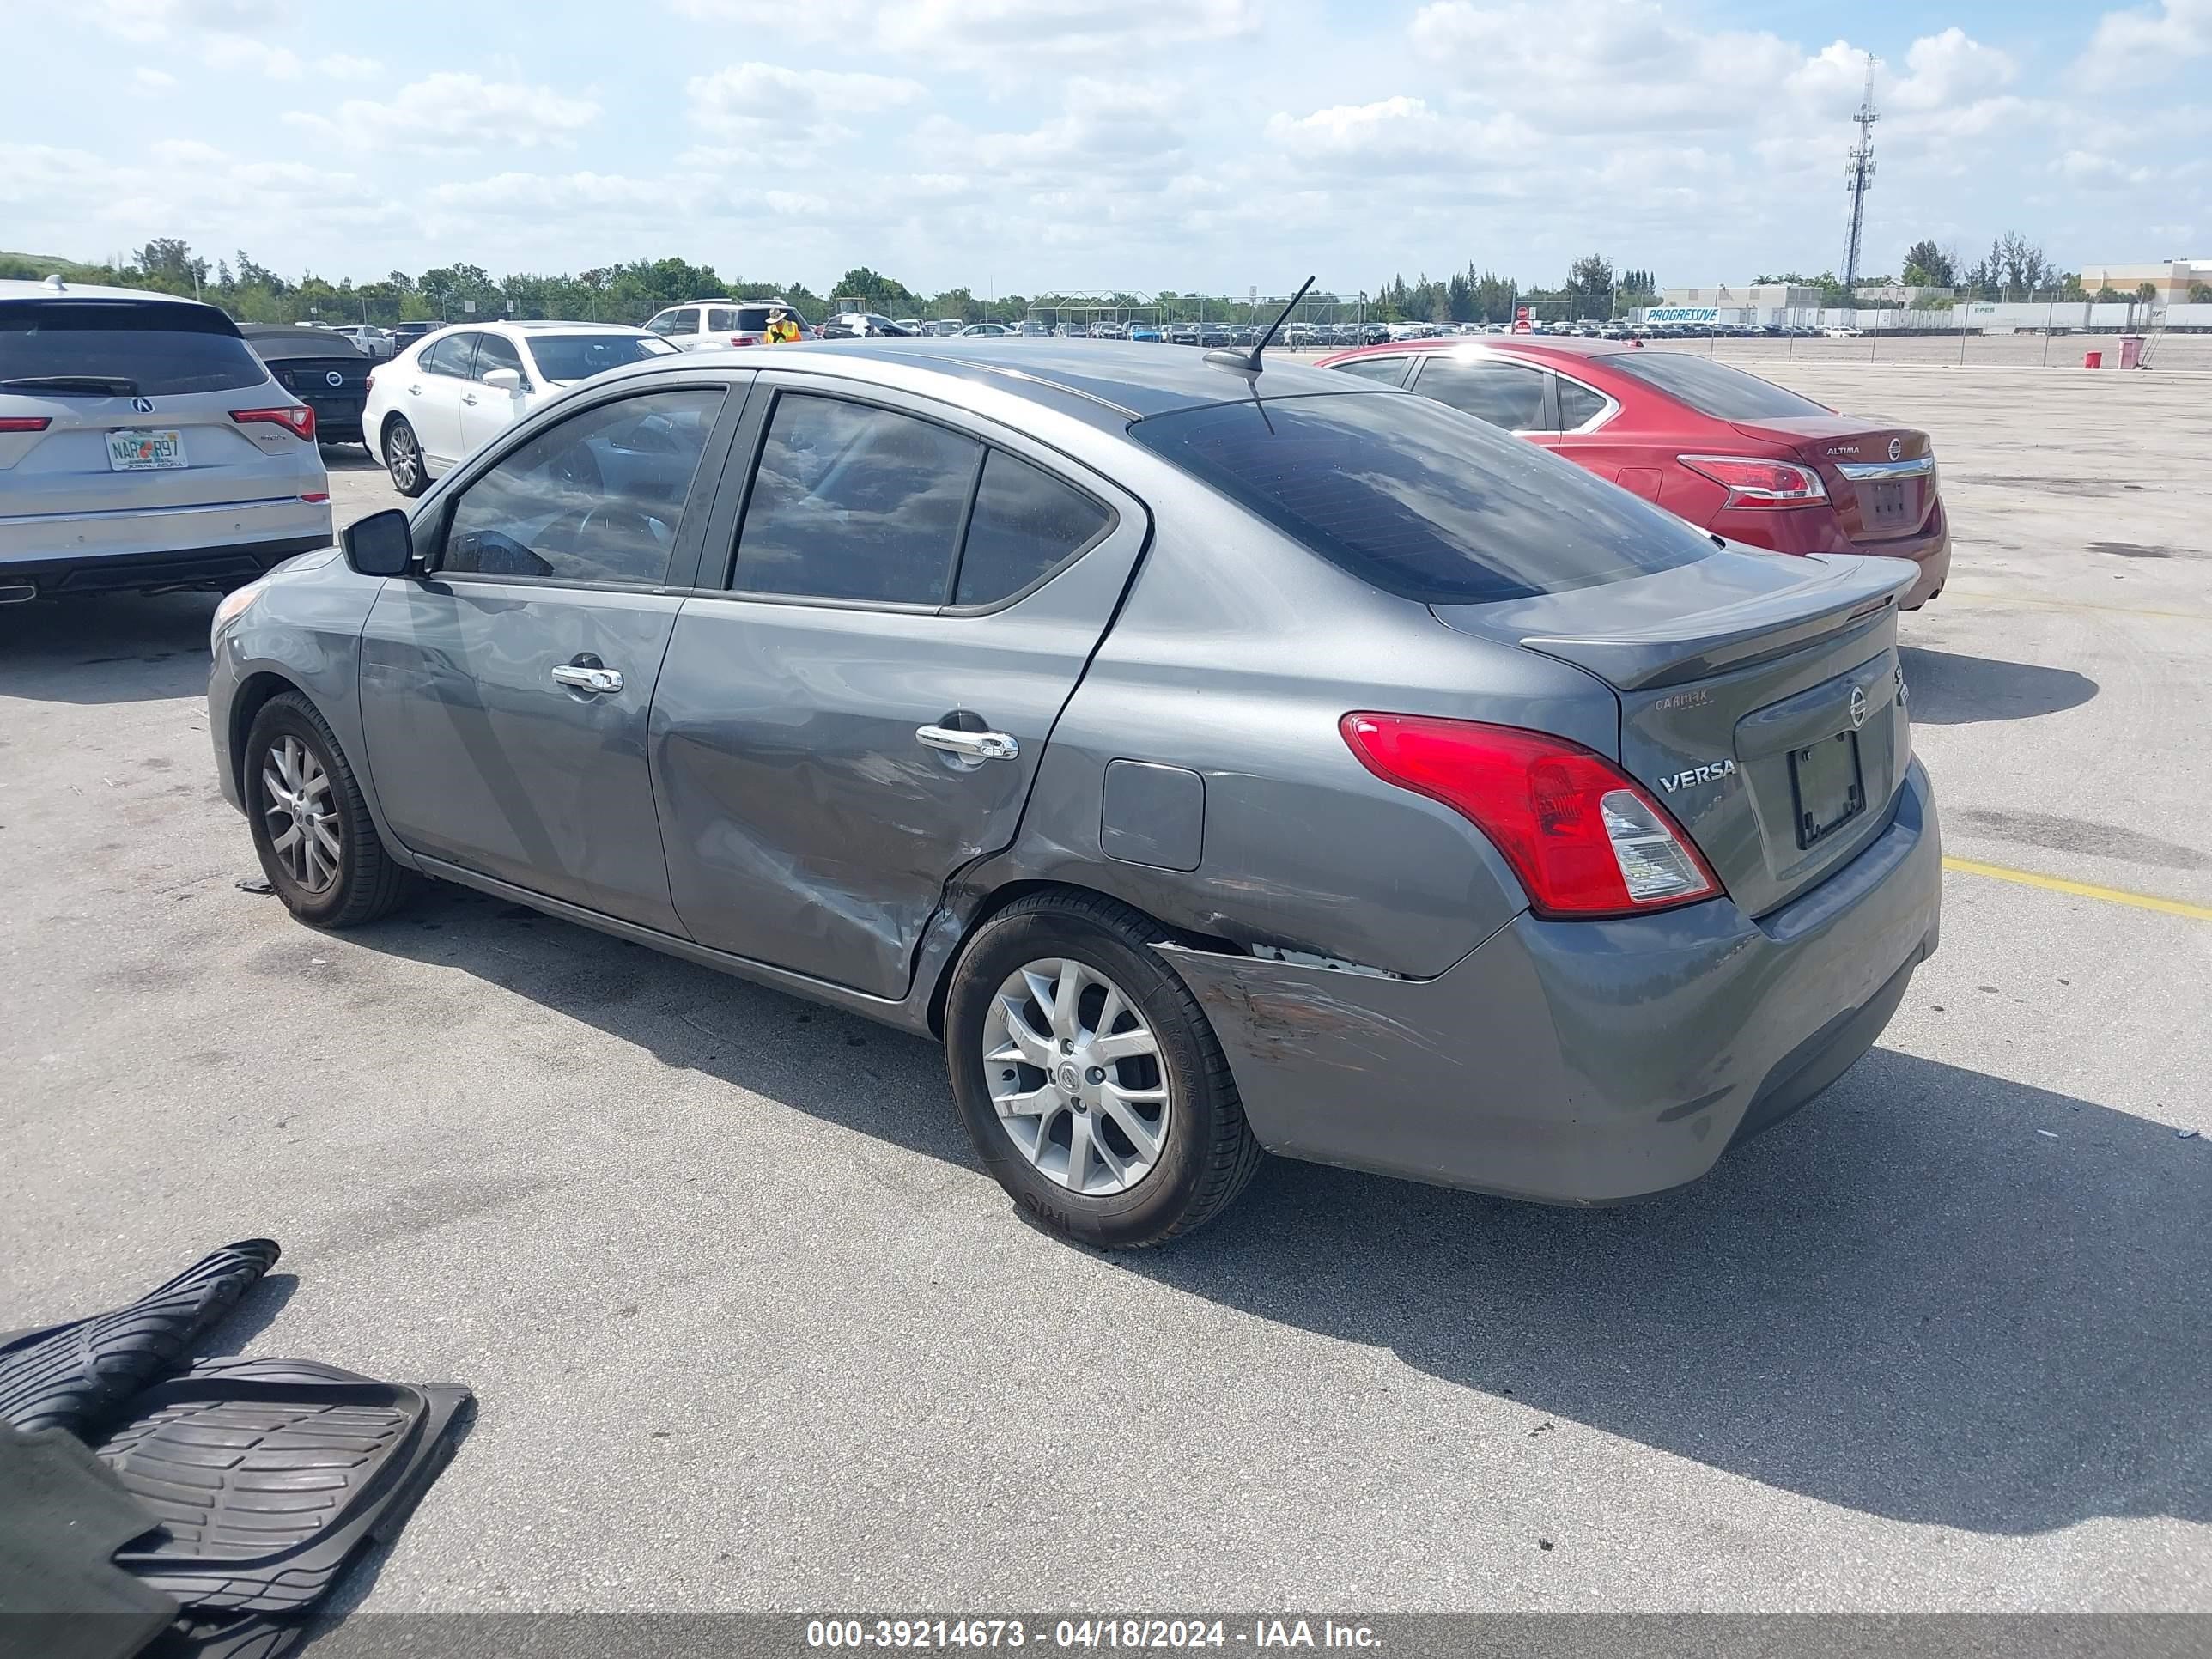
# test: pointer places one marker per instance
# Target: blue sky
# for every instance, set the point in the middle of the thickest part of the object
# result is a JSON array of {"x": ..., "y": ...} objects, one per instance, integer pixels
[{"x": 1014, "y": 145}]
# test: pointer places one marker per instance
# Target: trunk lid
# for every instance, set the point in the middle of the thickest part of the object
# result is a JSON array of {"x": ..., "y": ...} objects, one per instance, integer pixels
[
  {"x": 66, "y": 468},
  {"x": 1881, "y": 479},
  {"x": 1761, "y": 702}
]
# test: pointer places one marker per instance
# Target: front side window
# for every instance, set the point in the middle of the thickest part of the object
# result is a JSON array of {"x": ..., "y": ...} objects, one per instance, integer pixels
[
  {"x": 852, "y": 502},
  {"x": 124, "y": 348},
  {"x": 594, "y": 499},
  {"x": 1418, "y": 499},
  {"x": 495, "y": 351},
  {"x": 1508, "y": 395},
  {"x": 1026, "y": 524},
  {"x": 451, "y": 355}
]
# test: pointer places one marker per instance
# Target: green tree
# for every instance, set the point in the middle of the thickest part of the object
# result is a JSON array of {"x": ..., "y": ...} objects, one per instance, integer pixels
[{"x": 1927, "y": 265}]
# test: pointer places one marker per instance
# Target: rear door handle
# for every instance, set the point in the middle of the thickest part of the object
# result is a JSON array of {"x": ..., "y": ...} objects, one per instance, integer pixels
[
  {"x": 974, "y": 745},
  {"x": 468, "y": 397},
  {"x": 414, "y": 391},
  {"x": 578, "y": 678}
]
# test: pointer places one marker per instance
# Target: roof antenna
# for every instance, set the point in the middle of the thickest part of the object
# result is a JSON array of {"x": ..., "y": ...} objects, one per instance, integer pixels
[{"x": 1248, "y": 362}]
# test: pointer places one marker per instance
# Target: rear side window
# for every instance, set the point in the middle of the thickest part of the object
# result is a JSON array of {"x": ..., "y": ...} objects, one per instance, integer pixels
[
  {"x": 1389, "y": 370},
  {"x": 752, "y": 319},
  {"x": 594, "y": 499},
  {"x": 1026, "y": 524},
  {"x": 1711, "y": 388},
  {"x": 721, "y": 320},
  {"x": 1420, "y": 500},
  {"x": 1506, "y": 395},
  {"x": 1578, "y": 404},
  {"x": 566, "y": 357},
  {"x": 137, "y": 348},
  {"x": 851, "y": 502}
]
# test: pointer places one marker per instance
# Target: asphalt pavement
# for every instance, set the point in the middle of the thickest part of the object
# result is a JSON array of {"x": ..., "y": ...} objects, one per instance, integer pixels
[{"x": 750, "y": 1329}]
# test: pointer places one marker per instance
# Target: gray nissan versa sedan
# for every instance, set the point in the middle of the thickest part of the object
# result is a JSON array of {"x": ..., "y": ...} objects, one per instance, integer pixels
[{"x": 1216, "y": 761}]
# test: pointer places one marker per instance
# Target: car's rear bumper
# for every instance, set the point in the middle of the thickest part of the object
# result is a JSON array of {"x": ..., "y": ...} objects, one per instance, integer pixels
[
  {"x": 1811, "y": 530},
  {"x": 1584, "y": 1062},
  {"x": 160, "y": 547}
]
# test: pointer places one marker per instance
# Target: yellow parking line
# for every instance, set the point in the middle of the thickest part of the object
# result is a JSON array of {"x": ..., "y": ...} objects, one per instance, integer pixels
[
  {"x": 2073, "y": 605},
  {"x": 2079, "y": 889}
]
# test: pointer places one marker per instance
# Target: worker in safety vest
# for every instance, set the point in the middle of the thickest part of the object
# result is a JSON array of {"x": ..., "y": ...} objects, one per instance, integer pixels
[{"x": 782, "y": 327}]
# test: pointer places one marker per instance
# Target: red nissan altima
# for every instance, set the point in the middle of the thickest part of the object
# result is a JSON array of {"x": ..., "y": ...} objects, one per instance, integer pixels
[{"x": 1732, "y": 453}]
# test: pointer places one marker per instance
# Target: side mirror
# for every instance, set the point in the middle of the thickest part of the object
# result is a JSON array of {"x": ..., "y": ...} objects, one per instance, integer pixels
[
  {"x": 381, "y": 545},
  {"x": 504, "y": 379}
]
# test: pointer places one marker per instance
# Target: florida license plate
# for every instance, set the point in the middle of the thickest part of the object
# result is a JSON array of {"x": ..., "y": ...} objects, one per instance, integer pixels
[
  {"x": 139, "y": 450},
  {"x": 1829, "y": 789}
]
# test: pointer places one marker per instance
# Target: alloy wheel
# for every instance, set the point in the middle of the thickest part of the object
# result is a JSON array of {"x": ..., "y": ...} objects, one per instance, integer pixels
[
  {"x": 406, "y": 457},
  {"x": 1075, "y": 1074},
  {"x": 300, "y": 814}
]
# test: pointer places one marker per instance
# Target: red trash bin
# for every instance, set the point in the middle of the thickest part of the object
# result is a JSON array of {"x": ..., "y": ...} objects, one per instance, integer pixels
[{"x": 2093, "y": 359}]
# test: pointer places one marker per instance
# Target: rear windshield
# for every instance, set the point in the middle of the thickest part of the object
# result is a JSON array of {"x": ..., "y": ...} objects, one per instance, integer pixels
[
  {"x": 579, "y": 356},
  {"x": 161, "y": 350},
  {"x": 1420, "y": 500},
  {"x": 1711, "y": 388},
  {"x": 300, "y": 343}
]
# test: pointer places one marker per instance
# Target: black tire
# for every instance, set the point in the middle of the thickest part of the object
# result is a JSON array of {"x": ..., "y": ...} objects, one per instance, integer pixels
[
  {"x": 1208, "y": 1153},
  {"x": 403, "y": 458},
  {"x": 367, "y": 883}
]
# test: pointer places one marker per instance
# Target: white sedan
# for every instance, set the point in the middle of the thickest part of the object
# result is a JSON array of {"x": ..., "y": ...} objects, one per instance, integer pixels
[{"x": 451, "y": 391}]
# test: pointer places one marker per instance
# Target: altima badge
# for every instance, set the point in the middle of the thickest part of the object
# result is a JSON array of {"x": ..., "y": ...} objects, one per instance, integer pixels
[{"x": 1692, "y": 776}]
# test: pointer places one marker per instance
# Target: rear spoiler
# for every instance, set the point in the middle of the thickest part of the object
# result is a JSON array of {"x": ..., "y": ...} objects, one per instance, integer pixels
[{"x": 1691, "y": 622}]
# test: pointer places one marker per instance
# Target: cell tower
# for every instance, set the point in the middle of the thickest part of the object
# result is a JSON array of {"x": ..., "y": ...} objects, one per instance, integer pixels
[{"x": 1859, "y": 176}]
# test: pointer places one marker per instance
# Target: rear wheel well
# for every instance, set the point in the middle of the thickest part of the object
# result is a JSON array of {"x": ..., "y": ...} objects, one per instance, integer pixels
[
  {"x": 1000, "y": 897},
  {"x": 256, "y": 691}
]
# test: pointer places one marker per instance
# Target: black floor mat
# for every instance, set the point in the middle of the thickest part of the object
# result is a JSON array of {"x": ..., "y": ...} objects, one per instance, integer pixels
[
  {"x": 269, "y": 1475},
  {"x": 76, "y": 1376},
  {"x": 62, "y": 1516}
]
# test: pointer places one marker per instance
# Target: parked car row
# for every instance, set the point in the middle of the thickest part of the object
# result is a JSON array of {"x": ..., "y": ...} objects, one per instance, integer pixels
[{"x": 1532, "y": 840}]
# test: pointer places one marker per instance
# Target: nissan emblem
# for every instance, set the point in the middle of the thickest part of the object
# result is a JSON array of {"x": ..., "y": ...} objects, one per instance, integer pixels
[
  {"x": 1896, "y": 448},
  {"x": 1858, "y": 709}
]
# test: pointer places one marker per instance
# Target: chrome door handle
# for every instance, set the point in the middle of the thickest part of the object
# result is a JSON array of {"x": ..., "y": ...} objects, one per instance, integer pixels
[
  {"x": 975, "y": 745},
  {"x": 468, "y": 397},
  {"x": 414, "y": 391},
  {"x": 577, "y": 678}
]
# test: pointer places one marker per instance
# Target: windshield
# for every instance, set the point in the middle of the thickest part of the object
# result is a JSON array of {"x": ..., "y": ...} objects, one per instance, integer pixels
[
  {"x": 1711, "y": 388},
  {"x": 1419, "y": 500},
  {"x": 579, "y": 356},
  {"x": 142, "y": 348}
]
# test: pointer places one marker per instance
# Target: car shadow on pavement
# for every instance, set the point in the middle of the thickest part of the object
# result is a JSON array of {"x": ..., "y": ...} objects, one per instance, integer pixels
[
  {"x": 120, "y": 647},
  {"x": 1933, "y": 1295},
  {"x": 1951, "y": 687}
]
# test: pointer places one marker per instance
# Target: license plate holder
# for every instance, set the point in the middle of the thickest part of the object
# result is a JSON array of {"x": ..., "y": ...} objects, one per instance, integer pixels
[
  {"x": 1886, "y": 502},
  {"x": 1827, "y": 786},
  {"x": 145, "y": 449}
]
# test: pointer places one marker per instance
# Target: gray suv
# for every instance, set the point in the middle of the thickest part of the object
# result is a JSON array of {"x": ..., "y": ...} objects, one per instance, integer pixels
[
  {"x": 1216, "y": 760},
  {"x": 142, "y": 445}
]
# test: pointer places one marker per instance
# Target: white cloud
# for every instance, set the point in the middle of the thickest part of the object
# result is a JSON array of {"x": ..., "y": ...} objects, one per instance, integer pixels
[
  {"x": 2133, "y": 48},
  {"x": 1398, "y": 135},
  {"x": 155, "y": 78},
  {"x": 450, "y": 111},
  {"x": 241, "y": 53},
  {"x": 2086, "y": 167},
  {"x": 155, "y": 20},
  {"x": 788, "y": 114},
  {"x": 978, "y": 31},
  {"x": 1950, "y": 69},
  {"x": 345, "y": 66}
]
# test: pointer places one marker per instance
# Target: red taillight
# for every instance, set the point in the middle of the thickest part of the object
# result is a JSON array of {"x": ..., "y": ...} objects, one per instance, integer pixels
[
  {"x": 740, "y": 339},
  {"x": 316, "y": 498},
  {"x": 297, "y": 419},
  {"x": 369, "y": 384},
  {"x": 25, "y": 423},
  {"x": 1752, "y": 482},
  {"x": 1583, "y": 837}
]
